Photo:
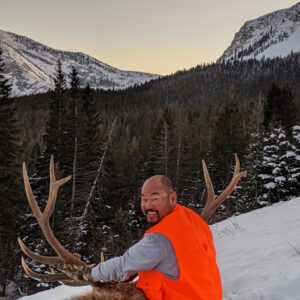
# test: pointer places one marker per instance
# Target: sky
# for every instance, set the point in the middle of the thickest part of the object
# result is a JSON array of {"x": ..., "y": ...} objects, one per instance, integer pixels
[
  {"x": 257, "y": 254},
  {"x": 154, "y": 36}
]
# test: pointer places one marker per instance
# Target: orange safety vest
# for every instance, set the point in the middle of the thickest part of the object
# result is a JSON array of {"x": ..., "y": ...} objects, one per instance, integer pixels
[{"x": 199, "y": 277}]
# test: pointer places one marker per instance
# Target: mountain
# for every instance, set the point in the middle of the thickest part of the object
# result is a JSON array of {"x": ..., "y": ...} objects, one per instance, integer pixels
[
  {"x": 31, "y": 67},
  {"x": 274, "y": 34}
]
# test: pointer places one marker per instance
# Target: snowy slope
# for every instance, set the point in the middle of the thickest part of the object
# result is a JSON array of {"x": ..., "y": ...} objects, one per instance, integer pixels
[
  {"x": 272, "y": 35},
  {"x": 258, "y": 255},
  {"x": 31, "y": 67}
]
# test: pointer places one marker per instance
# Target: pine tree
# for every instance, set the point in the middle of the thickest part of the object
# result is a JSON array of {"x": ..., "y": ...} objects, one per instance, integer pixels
[
  {"x": 11, "y": 198},
  {"x": 294, "y": 161},
  {"x": 248, "y": 190},
  {"x": 164, "y": 143},
  {"x": 228, "y": 138},
  {"x": 94, "y": 205},
  {"x": 279, "y": 108},
  {"x": 169, "y": 149},
  {"x": 201, "y": 127},
  {"x": 54, "y": 133},
  {"x": 275, "y": 177},
  {"x": 184, "y": 178},
  {"x": 57, "y": 145},
  {"x": 74, "y": 117}
]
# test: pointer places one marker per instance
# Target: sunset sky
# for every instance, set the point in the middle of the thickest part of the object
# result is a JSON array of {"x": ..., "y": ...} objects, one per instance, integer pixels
[{"x": 155, "y": 36}]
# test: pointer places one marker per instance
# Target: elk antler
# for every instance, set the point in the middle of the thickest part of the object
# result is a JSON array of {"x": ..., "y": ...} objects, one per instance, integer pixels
[
  {"x": 214, "y": 202},
  {"x": 63, "y": 255}
]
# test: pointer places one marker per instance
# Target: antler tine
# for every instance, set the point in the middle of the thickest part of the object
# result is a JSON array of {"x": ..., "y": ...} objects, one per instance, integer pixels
[
  {"x": 48, "y": 260},
  {"x": 234, "y": 181},
  {"x": 209, "y": 186},
  {"x": 237, "y": 165},
  {"x": 212, "y": 204},
  {"x": 54, "y": 187},
  {"x": 30, "y": 197},
  {"x": 43, "y": 277}
]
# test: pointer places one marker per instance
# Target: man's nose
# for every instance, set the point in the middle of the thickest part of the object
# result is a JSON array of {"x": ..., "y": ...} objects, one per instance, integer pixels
[{"x": 148, "y": 205}]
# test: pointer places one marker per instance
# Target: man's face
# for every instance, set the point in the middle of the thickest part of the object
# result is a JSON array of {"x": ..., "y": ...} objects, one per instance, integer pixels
[{"x": 156, "y": 200}]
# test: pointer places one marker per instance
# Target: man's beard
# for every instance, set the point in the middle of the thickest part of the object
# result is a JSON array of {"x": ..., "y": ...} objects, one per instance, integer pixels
[{"x": 149, "y": 223}]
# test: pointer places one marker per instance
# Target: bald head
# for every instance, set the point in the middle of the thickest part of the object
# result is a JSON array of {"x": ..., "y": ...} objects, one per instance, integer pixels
[{"x": 160, "y": 180}]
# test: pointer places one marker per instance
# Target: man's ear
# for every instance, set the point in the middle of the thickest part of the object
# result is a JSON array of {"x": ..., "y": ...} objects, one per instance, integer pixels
[{"x": 173, "y": 199}]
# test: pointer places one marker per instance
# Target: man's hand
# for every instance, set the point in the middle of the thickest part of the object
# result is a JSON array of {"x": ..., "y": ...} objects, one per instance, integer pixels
[{"x": 76, "y": 272}]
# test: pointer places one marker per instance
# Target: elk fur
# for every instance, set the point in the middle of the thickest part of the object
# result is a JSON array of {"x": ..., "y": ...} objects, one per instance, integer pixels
[{"x": 113, "y": 291}]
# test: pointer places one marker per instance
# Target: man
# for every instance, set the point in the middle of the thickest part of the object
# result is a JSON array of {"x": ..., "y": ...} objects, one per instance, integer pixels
[{"x": 175, "y": 259}]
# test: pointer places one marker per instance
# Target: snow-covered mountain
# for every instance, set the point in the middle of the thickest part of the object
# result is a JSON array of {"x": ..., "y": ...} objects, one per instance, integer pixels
[
  {"x": 31, "y": 67},
  {"x": 274, "y": 34},
  {"x": 258, "y": 255}
]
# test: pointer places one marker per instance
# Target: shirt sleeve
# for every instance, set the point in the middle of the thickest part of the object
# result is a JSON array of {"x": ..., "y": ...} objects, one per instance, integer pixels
[{"x": 144, "y": 255}]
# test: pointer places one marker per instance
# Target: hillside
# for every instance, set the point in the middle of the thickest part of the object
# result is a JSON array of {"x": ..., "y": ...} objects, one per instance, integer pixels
[
  {"x": 31, "y": 67},
  {"x": 272, "y": 35}
]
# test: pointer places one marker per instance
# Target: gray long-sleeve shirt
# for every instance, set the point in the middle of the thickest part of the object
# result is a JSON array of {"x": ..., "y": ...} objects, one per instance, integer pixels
[{"x": 153, "y": 252}]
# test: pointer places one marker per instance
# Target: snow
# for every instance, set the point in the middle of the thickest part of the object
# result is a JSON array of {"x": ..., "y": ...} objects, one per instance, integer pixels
[
  {"x": 276, "y": 34},
  {"x": 281, "y": 136},
  {"x": 265, "y": 176},
  {"x": 59, "y": 293},
  {"x": 284, "y": 48},
  {"x": 270, "y": 185},
  {"x": 276, "y": 170},
  {"x": 290, "y": 154},
  {"x": 258, "y": 254},
  {"x": 280, "y": 179}
]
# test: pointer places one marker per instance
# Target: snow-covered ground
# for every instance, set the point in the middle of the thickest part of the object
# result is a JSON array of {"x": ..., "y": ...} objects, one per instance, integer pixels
[
  {"x": 282, "y": 49},
  {"x": 259, "y": 253},
  {"x": 258, "y": 256}
]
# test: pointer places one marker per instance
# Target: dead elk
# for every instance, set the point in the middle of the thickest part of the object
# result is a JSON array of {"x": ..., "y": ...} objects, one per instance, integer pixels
[{"x": 100, "y": 290}]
